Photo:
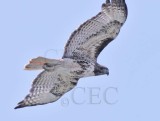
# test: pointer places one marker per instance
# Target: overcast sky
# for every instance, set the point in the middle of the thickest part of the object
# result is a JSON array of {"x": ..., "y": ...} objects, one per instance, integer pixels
[{"x": 31, "y": 28}]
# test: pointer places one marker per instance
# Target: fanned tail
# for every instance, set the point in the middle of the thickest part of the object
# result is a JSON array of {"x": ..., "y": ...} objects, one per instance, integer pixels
[{"x": 37, "y": 63}]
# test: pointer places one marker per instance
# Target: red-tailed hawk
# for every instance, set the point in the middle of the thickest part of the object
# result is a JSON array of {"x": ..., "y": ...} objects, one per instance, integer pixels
[{"x": 80, "y": 56}]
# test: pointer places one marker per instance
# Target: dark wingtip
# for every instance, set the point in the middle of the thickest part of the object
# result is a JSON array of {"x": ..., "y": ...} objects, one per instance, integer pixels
[
  {"x": 20, "y": 105},
  {"x": 107, "y": 1},
  {"x": 107, "y": 72}
]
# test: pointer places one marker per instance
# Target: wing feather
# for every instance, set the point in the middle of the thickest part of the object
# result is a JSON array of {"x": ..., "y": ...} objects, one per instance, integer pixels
[
  {"x": 96, "y": 33},
  {"x": 48, "y": 87}
]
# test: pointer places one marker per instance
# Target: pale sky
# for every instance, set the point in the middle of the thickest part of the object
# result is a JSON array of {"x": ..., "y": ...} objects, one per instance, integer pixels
[{"x": 31, "y": 28}]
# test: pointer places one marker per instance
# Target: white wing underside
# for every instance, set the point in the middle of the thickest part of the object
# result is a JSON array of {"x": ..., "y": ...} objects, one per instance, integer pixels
[
  {"x": 47, "y": 87},
  {"x": 92, "y": 36}
]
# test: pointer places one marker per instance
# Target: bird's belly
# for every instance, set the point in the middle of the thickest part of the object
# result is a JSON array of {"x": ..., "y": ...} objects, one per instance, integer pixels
[
  {"x": 78, "y": 69},
  {"x": 82, "y": 72}
]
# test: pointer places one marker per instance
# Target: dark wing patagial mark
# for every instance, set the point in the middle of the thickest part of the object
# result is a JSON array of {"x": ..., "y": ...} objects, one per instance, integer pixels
[{"x": 104, "y": 44}]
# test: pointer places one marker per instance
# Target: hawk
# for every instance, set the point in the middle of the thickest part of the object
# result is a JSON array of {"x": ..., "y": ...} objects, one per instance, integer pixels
[{"x": 80, "y": 56}]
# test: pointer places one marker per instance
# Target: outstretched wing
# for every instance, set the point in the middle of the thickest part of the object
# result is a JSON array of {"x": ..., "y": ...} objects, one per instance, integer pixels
[
  {"x": 95, "y": 34},
  {"x": 48, "y": 87}
]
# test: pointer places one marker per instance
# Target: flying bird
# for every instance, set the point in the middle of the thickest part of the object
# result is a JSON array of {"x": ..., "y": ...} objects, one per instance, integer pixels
[{"x": 79, "y": 60}]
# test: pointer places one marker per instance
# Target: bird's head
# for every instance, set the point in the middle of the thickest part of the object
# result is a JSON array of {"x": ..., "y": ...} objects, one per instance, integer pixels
[{"x": 101, "y": 70}]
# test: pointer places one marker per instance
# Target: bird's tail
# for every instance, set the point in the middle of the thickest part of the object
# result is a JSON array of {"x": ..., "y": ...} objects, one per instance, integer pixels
[{"x": 37, "y": 63}]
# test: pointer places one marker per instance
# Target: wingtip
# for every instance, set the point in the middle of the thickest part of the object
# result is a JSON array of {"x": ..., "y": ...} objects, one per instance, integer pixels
[
  {"x": 17, "y": 107},
  {"x": 107, "y": 73},
  {"x": 20, "y": 105},
  {"x": 107, "y": 1}
]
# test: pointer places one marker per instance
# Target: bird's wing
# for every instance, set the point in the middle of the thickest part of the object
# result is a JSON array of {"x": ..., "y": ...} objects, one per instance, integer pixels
[
  {"x": 48, "y": 87},
  {"x": 95, "y": 34}
]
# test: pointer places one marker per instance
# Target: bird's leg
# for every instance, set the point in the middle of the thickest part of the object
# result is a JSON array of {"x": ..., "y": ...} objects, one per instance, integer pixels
[{"x": 39, "y": 62}]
